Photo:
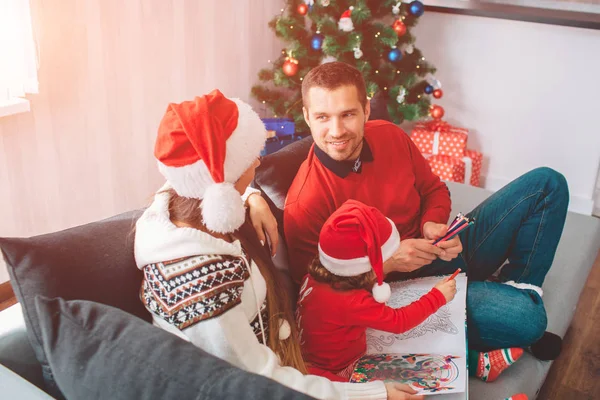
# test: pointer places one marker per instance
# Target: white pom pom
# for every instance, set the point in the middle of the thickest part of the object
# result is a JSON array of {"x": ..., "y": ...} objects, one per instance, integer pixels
[
  {"x": 351, "y": 8},
  {"x": 382, "y": 293},
  {"x": 284, "y": 329},
  {"x": 222, "y": 208}
]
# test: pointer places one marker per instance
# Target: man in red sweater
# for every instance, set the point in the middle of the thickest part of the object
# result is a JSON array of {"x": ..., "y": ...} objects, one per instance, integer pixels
[{"x": 376, "y": 163}]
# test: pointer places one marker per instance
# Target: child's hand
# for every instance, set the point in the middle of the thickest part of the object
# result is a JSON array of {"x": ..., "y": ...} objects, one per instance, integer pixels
[
  {"x": 401, "y": 391},
  {"x": 447, "y": 287}
]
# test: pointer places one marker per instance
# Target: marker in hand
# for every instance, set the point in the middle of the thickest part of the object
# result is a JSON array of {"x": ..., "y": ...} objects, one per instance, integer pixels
[
  {"x": 454, "y": 274},
  {"x": 459, "y": 224}
]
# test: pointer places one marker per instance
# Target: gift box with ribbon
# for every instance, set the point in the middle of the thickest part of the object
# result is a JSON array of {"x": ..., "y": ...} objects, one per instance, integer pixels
[
  {"x": 440, "y": 138},
  {"x": 447, "y": 168},
  {"x": 472, "y": 160},
  {"x": 465, "y": 169}
]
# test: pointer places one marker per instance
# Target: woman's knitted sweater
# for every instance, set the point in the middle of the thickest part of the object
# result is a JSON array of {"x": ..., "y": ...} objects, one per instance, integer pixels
[{"x": 207, "y": 291}]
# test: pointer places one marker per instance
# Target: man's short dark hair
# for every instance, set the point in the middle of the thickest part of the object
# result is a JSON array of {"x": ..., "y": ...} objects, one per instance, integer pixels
[{"x": 333, "y": 75}]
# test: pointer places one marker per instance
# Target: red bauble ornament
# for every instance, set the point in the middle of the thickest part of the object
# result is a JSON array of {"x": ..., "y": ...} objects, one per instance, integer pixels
[
  {"x": 290, "y": 66},
  {"x": 436, "y": 112},
  {"x": 399, "y": 27},
  {"x": 437, "y": 93},
  {"x": 302, "y": 9}
]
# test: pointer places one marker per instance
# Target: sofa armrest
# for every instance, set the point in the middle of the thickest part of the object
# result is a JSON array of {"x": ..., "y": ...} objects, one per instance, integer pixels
[
  {"x": 16, "y": 352},
  {"x": 15, "y": 387}
]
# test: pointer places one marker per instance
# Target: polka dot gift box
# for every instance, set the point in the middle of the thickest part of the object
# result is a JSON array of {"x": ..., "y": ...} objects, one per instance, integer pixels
[
  {"x": 465, "y": 169},
  {"x": 472, "y": 161},
  {"x": 447, "y": 167},
  {"x": 440, "y": 138}
]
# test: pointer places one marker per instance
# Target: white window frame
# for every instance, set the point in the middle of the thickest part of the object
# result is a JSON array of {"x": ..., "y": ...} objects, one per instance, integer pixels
[{"x": 18, "y": 57}]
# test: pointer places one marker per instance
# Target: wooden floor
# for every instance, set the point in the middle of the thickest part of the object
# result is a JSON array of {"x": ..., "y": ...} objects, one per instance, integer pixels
[
  {"x": 575, "y": 375},
  {"x": 7, "y": 297},
  {"x": 7, "y": 303}
]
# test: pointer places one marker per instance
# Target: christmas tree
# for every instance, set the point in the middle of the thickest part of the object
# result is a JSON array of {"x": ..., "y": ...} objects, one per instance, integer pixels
[{"x": 372, "y": 35}]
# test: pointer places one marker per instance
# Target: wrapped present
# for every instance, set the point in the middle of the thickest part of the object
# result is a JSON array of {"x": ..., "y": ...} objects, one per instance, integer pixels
[
  {"x": 447, "y": 168},
  {"x": 281, "y": 126},
  {"x": 440, "y": 138},
  {"x": 466, "y": 169},
  {"x": 472, "y": 160}
]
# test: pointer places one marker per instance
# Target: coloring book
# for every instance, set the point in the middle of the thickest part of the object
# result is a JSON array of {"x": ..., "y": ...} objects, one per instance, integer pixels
[{"x": 431, "y": 357}]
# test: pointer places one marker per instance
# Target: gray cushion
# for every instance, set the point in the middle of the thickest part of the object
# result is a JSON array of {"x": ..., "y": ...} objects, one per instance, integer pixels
[
  {"x": 91, "y": 262},
  {"x": 379, "y": 107},
  {"x": 100, "y": 352}
]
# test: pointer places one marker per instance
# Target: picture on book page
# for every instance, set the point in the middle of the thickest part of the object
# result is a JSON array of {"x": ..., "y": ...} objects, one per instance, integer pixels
[
  {"x": 431, "y": 357},
  {"x": 427, "y": 373}
]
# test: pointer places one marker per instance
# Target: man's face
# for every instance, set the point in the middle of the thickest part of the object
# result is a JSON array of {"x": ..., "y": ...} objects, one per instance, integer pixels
[{"x": 337, "y": 121}]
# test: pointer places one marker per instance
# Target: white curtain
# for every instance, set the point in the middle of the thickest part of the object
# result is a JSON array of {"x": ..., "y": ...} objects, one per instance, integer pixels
[{"x": 18, "y": 52}]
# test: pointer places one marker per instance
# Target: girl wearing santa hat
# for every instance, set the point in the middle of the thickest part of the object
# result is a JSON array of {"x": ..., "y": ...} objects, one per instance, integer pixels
[
  {"x": 343, "y": 294},
  {"x": 207, "y": 277}
]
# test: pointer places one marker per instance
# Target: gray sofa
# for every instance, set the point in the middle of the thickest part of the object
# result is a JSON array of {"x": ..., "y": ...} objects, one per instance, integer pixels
[{"x": 20, "y": 371}]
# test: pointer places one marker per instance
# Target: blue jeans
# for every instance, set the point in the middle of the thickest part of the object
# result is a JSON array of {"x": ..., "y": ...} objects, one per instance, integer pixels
[{"x": 521, "y": 224}]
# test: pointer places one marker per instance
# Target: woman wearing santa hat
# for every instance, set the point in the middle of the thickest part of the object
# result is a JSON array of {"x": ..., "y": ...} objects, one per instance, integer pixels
[
  {"x": 344, "y": 294},
  {"x": 207, "y": 277}
]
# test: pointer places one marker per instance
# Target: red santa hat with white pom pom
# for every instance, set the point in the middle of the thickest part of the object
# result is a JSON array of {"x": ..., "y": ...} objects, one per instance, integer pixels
[
  {"x": 355, "y": 239},
  {"x": 203, "y": 147}
]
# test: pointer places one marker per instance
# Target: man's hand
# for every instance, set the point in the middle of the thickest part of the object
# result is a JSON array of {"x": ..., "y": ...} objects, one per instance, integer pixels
[
  {"x": 412, "y": 255},
  {"x": 263, "y": 220},
  {"x": 452, "y": 247},
  {"x": 433, "y": 231}
]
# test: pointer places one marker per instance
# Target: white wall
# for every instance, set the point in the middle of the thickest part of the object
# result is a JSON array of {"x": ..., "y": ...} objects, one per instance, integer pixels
[
  {"x": 108, "y": 69},
  {"x": 596, "y": 211},
  {"x": 529, "y": 93}
]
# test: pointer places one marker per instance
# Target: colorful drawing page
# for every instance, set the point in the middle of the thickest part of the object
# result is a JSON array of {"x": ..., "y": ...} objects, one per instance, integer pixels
[
  {"x": 432, "y": 356},
  {"x": 427, "y": 373}
]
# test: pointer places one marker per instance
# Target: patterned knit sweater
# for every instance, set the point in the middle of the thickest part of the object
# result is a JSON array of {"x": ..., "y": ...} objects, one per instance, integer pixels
[{"x": 206, "y": 290}]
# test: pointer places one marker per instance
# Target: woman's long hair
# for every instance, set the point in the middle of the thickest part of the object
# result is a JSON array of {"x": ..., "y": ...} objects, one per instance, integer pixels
[{"x": 278, "y": 301}]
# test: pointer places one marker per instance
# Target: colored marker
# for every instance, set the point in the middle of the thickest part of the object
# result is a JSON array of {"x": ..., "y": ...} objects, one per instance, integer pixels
[
  {"x": 454, "y": 274},
  {"x": 455, "y": 232}
]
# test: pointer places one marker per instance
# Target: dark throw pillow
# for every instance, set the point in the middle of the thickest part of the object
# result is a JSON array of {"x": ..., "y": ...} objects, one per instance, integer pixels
[
  {"x": 379, "y": 108},
  {"x": 276, "y": 172},
  {"x": 89, "y": 262},
  {"x": 100, "y": 352}
]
